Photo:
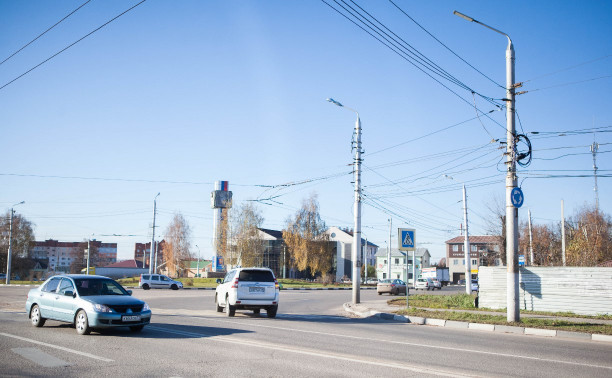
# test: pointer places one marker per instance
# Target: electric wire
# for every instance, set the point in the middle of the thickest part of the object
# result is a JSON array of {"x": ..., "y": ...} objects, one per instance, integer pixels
[
  {"x": 568, "y": 68},
  {"x": 69, "y": 46},
  {"x": 448, "y": 48},
  {"x": 43, "y": 33}
]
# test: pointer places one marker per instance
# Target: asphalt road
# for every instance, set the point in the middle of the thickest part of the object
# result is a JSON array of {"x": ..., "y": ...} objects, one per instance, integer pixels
[{"x": 311, "y": 336}]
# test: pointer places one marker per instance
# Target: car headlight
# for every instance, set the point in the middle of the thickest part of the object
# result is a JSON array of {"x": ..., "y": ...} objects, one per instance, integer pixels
[
  {"x": 146, "y": 307},
  {"x": 102, "y": 308}
]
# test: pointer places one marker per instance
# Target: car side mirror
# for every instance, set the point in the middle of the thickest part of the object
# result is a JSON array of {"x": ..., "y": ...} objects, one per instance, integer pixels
[
  {"x": 129, "y": 292},
  {"x": 219, "y": 280},
  {"x": 69, "y": 293}
]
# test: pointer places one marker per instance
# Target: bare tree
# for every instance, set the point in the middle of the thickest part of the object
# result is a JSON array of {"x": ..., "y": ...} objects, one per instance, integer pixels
[
  {"x": 178, "y": 245},
  {"x": 546, "y": 244},
  {"x": 23, "y": 236},
  {"x": 496, "y": 226},
  {"x": 306, "y": 239},
  {"x": 80, "y": 261},
  {"x": 247, "y": 245}
]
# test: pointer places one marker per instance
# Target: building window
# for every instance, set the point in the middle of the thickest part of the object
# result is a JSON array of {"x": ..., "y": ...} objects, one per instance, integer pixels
[
  {"x": 456, "y": 248},
  {"x": 474, "y": 248},
  {"x": 410, "y": 262},
  {"x": 397, "y": 262},
  {"x": 384, "y": 275},
  {"x": 456, "y": 262},
  {"x": 385, "y": 262},
  {"x": 474, "y": 262}
]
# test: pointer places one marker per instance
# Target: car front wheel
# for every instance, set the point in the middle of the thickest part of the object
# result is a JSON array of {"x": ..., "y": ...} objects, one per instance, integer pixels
[
  {"x": 174, "y": 287},
  {"x": 82, "y": 324},
  {"x": 37, "y": 320},
  {"x": 229, "y": 309}
]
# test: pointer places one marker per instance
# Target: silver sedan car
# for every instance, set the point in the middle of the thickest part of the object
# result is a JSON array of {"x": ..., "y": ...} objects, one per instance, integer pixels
[{"x": 88, "y": 302}]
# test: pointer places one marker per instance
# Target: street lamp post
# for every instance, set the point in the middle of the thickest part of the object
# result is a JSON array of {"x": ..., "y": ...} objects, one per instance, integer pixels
[
  {"x": 356, "y": 247},
  {"x": 9, "y": 256},
  {"x": 198, "y": 266},
  {"x": 153, "y": 237},
  {"x": 512, "y": 275},
  {"x": 466, "y": 244}
]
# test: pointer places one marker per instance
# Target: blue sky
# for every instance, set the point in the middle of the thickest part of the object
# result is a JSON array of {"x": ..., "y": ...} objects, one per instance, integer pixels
[{"x": 172, "y": 96}]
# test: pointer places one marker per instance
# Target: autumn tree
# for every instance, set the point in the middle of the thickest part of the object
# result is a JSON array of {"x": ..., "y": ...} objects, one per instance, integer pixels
[
  {"x": 22, "y": 238},
  {"x": 496, "y": 226},
  {"x": 588, "y": 236},
  {"x": 247, "y": 245},
  {"x": 306, "y": 240},
  {"x": 546, "y": 243},
  {"x": 177, "y": 248}
]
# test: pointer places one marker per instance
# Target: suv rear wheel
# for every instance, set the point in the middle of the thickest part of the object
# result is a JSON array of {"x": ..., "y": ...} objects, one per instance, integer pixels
[
  {"x": 271, "y": 311},
  {"x": 146, "y": 287}
]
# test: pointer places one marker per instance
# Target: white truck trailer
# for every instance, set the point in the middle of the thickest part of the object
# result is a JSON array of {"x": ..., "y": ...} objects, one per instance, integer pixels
[{"x": 441, "y": 274}]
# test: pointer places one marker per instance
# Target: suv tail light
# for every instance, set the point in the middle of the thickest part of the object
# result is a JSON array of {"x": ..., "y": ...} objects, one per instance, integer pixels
[
  {"x": 235, "y": 284},
  {"x": 276, "y": 284}
]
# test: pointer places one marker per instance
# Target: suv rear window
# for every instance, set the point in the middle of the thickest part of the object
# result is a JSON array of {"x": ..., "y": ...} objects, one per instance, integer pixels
[{"x": 256, "y": 276}]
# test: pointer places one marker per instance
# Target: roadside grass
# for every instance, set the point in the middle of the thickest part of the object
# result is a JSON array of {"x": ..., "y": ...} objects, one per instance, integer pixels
[
  {"x": 466, "y": 302},
  {"x": 559, "y": 325}
]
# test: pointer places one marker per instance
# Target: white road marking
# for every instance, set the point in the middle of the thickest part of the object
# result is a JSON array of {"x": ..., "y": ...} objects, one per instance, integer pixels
[
  {"x": 57, "y": 347},
  {"x": 39, "y": 357},
  {"x": 309, "y": 352},
  {"x": 454, "y": 349}
]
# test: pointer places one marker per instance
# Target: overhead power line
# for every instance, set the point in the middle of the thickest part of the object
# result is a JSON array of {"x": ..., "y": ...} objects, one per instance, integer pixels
[
  {"x": 448, "y": 48},
  {"x": 70, "y": 45},
  {"x": 569, "y": 68},
  {"x": 43, "y": 33}
]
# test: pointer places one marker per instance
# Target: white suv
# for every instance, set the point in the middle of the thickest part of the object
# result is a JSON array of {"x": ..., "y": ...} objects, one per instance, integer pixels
[
  {"x": 424, "y": 283},
  {"x": 158, "y": 281},
  {"x": 248, "y": 289}
]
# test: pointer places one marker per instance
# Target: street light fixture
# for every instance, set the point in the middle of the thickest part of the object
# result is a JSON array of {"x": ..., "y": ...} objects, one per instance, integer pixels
[
  {"x": 466, "y": 244},
  {"x": 512, "y": 275},
  {"x": 356, "y": 247},
  {"x": 8, "y": 258}
]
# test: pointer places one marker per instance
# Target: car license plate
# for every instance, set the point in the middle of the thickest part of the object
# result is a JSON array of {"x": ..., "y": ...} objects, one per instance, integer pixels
[
  {"x": 130, "y": 318},
  {"x": 256, "y": 290}
]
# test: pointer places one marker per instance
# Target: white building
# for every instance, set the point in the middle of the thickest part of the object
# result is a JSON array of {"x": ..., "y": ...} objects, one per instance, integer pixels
[
  {"x": 398, "y": 264},
  {"x": 343, "y": 240}
]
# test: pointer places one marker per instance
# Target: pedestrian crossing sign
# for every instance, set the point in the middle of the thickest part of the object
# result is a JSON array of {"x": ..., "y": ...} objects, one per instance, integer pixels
[{"x": 406, "y": 239}]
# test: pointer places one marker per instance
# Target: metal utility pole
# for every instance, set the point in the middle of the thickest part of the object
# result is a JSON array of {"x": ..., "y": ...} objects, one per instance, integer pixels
[
  {"x": 152, "y": 237},
  {"x": 389, "y": 250},
  {"x": 466, "y": 246},
  {"x": 10, "y": 252},
  {"x": 356, "y": 247},
  {"x": 562, "y": 233},
  {"x": 155, "y": 257},
  {"x": 365, "y": 260},
  {"x": 414, "y": 269},
  {"x": 512, "y": 275},
  {"x": 530, "y": 239},
  {"x": 594, "y": 149},
  {"x": 198, "y": 266},
  {"x": 284, "y": 261}
]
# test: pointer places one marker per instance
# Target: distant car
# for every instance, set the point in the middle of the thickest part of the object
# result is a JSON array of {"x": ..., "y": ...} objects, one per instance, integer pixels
[
  {"x": 391, "y": 286},
  {"x": 436, "y": 284},
  {"x": 87, "y": 301},
  {"x": 474, "y": 285},
  {"x": 158, "y": 281},
  {"x": 248, "y": 289},
  {"x": 424, "y": 284},
  {"x": 371, "y": 281},
  {"x": 461, "y": 282}
]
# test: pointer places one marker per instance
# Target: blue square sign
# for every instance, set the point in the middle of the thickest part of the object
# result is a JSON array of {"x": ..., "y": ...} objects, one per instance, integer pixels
[{"x": 406, "y": 239}]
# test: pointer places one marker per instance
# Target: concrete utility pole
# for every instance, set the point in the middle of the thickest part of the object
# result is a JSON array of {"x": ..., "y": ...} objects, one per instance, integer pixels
[
  {"x": 530, "y": 239},
  {"x": 10, "y": 252},
  {"x": 152, "y": 237},
  {"x": 466, "y": 246},
  {"x": 88, "y": 249},
  {"x": 594, "y": 149},
  {"x": 389, "y": 250},
  {"x": 356, "y": 247},
  {"x": 562, "y": 233},
  {"x": 512, "y": 275}
]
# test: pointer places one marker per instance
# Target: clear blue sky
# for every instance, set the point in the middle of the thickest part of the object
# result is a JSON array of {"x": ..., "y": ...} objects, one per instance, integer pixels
[{"x": 175, "y": 95}]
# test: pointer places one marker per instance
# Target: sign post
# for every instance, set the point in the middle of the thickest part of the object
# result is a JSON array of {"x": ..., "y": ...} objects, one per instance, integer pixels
[{"x": 406, "y": 242}]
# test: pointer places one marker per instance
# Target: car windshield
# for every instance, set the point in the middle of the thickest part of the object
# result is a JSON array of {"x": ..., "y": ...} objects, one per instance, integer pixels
[{"x": 98, "y": 286}]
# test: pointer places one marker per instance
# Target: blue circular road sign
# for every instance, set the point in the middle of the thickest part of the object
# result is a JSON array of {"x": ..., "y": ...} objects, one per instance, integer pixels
[{"x": 517, "y": 197}]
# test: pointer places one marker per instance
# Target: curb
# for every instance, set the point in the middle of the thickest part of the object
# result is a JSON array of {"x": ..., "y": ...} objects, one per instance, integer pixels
[
  {"x": 291, "y": 288},
  {"x": 416, "y": 320}
]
